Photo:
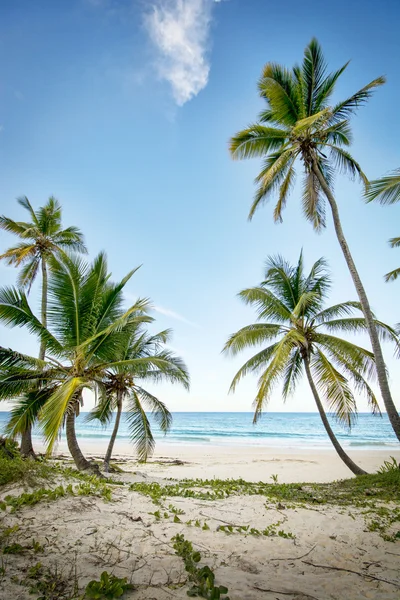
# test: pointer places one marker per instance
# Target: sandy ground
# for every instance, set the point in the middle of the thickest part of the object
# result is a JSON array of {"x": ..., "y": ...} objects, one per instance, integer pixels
[
  {"x": 333, "y": 556},
  {"x": 253, "y": 463}
]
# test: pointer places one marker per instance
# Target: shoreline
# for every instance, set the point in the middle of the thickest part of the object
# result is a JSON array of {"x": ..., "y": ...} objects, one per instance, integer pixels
[{"x": 252, "y": 463}]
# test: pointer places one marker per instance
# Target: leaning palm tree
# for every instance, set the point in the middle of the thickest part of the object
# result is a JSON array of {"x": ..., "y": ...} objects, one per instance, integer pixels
[
  {"x": 300, "y": 125},
  {"x": 85, "y": 320},
  {"x": 387, "y": 191},
  {"x": 41, "y": 238},
  {"x": 124, "y": 383},
  {"x": 300, "y": 330}
]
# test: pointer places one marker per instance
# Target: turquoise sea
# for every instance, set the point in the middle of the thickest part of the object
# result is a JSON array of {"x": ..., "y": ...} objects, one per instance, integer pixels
[{"x": 284, "y": 430}]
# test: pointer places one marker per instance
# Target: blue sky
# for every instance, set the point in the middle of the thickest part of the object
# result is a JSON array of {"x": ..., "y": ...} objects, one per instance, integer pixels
[{"x": 123, "y": 110}]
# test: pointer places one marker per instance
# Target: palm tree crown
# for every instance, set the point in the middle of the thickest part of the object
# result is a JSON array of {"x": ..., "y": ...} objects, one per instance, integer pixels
[
  {"x": 83, "y": 339},
  {"x": 124, "y": 382},
  {"x": 291, "y": 314},
  {"x": 300, "y": 123},
  {"x": 41, "y": 237}
]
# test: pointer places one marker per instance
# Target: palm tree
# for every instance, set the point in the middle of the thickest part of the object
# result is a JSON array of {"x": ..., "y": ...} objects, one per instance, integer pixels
[
  {"x": 300, "y": 125},
  {"x": 85, "y": 321},
  {"x": 291, "y": 315},
  {"x": 122, "y": 383},
  {"x": 387, "y": 191},
  {"x": 42, "y": 237}
]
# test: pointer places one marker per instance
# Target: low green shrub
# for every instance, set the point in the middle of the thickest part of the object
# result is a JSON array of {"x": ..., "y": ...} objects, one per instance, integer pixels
[
  {"x": 203, "y": 578},
  {"x": 108, "y": 588}
]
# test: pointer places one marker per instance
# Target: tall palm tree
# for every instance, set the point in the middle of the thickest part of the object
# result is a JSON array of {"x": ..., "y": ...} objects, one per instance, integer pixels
[
  {"x": 299, "y": 329},
  {"x": 124, "y": 383},
  {"x": 41, "y": 238},
  {"x": 85, "y": 321},
  {"x": 300, "y": 125},
  {"x": 387, "y": 191}
]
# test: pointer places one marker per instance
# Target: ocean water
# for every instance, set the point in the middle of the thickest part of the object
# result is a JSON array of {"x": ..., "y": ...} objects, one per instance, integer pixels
[{"x": 284, "y": 430}]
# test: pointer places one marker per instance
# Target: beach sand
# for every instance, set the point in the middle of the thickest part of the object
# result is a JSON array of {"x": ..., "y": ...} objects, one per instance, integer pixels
[
  {"x": 332, "y": 555},
  {"x": 253, "y": 463}
]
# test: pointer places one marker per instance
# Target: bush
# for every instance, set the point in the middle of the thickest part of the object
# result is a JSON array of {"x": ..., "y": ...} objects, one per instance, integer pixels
[{"x": 15, "y": 468}]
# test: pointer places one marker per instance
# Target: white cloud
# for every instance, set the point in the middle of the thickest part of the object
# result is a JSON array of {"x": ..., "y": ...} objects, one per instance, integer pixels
[
  {"x": 180, "y": 29},
  {"x": 174, "y": 315}
]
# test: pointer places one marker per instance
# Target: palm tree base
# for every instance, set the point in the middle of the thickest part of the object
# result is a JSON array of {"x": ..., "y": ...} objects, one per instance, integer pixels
[{"x": 27, "y": 450}]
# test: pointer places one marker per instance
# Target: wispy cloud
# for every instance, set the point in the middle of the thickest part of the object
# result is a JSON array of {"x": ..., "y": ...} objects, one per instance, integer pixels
[
  {"x": 174, "y": 315},
  {"x": 179, "y": 30}
]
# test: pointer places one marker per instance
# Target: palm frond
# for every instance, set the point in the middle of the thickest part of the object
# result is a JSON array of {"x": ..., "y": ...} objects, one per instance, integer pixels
[
  {"x": 139, "y": 428},
  {"x": 160, "y": 412},
  {"x": 16, "y": 312},
  {"x": 28, "y": 273},
  {"x": 267, "y": 304},
  {"x": 273, "y": 372},
  {"x": 278, "y": 87},
  {"x": 26, "y": 409},
  {"x": 250, "y": 336},
  {"x": 313, "y": 203},
  {"x": 256, "y": 140},
  {"x": 254, "y": 365},
  {"x": 53, "y": 411},
  {"x": 394, "y": 242},
  {"x": 24, "y": 202},
  {"x": 272, "y": 175},
  {"x": 344, "y": 109},
  {"x": 284, "y": 191},
  {"x": 392, "y": 275},
  {"x": 337, "y": 310},
  {"x": 313, "y": 75},
  {"x": 386, "y": 189},
  {"x": 335, "y": 389},
  {"x": 292, "y": 374},
  {"x": 103, "y": 411},
  {"x": 346, "y": 164}
]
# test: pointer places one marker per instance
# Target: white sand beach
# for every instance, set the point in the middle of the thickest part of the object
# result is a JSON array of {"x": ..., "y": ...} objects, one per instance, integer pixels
[
  {"x": 326, "y": 552},
  {"x": 252, "y": 463}
]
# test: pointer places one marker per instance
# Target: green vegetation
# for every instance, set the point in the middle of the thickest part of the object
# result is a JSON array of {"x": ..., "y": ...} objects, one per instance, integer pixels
[
  {"x": 270, "y": 531},
  {"x": 135, "y": 358},
  {"x": 301, "y": 125},
  {"x": 86, "y": 330},
  {"x": 203, "y": 578},
  {"x": 50, "y": 584},
  {"x": 95, "y": 488},
  {"x": 107, "y": 588},
  {"x": 41, "y": 239},
  {"x": 292, "y": 314},
  {"x": 14, "y": 468},
  {"x": 367, "y": 493},
  {"x": 383, "y": 487},
  {"x": 387, "y": 191}
]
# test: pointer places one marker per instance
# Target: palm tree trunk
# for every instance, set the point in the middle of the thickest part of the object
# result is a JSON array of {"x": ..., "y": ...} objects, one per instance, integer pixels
[
  {"x": 345, "y": 458},
  {"x": 80, "y": 461},
  {"x": 26, "y": 438},
  {"x": 26, "y": 443},
  {"x": 42, "y": 351},
  {"x": 111, "y": 443},
  {"x": 391, "y": 409}
]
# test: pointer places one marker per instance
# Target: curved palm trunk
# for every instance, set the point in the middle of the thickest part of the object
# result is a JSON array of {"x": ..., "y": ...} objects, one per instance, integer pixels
[
  {"x": 391, "y": 409},
  {"x": 42, "y": 350},
  {"x": 72, "y": 442},
  {"x": 26, "y": 443},
  {"x": 111, "y": 443},
  {"x": 345, "y": 458},
  {"x": 26, "y": 438}
]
